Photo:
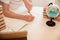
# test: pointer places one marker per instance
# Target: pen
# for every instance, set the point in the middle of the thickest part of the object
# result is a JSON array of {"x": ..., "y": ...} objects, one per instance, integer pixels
[
  {"x": 23, "y": 26},
  {"x": 29, "y": 13}
]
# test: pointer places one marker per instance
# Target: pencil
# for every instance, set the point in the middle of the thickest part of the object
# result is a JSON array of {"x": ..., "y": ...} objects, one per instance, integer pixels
[
  {"x": 29, "y": 13},
  {"x": 23, "y": 26}
]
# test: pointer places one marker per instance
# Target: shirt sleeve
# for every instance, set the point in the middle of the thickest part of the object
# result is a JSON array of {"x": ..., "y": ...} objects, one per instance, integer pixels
[{"x": 5, "y": 1}]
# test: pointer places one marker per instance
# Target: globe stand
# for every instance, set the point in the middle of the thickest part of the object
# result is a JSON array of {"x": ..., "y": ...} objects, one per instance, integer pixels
[{"x": 51, "y": 23}]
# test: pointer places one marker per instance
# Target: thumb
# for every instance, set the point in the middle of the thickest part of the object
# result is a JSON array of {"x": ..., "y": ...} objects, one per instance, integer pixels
[{"x": 29, "y": 13}]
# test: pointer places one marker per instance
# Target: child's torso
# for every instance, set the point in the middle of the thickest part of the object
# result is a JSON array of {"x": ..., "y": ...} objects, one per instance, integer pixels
[{"x": 17, "y": 6}]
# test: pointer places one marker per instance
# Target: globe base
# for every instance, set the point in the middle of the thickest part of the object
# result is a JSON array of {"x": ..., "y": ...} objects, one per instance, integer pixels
[{"x": 51, "y": 23}]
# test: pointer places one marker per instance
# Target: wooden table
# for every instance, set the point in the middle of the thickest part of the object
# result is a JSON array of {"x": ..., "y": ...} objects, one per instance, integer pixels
[{"x": 37, "y": 29}]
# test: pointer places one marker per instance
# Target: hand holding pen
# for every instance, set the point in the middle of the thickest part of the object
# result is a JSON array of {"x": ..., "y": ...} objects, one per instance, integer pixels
[{"x": 29, "y": 17}]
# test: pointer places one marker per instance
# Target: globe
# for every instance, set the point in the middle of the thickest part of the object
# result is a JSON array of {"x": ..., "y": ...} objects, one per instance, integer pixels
[{"x": 52, "y": 11}]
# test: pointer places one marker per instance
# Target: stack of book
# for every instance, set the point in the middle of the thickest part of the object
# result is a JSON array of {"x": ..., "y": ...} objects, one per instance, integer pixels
[{"x": 2, "y": 23}]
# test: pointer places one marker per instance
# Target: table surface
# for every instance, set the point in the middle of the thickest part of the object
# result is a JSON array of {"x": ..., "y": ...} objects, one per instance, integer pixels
[
  {"x": 37, "y": 29},
  {"x": 40, "y": 31}
]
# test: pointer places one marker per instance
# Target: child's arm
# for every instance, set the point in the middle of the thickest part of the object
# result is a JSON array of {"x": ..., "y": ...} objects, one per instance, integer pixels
[
  {"x": 11, "y": 14},
  {"x": 28, "y": 4}
]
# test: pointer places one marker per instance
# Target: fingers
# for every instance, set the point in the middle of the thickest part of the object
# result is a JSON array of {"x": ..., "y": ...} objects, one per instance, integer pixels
[
  {"x": 44, "y": 9},
  {"x": 29, "y": 13},
  {"x": 29, "y": 18}
]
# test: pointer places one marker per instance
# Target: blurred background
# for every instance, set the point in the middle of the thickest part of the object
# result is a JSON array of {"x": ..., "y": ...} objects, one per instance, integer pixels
[{"x": 41, "y": 2}]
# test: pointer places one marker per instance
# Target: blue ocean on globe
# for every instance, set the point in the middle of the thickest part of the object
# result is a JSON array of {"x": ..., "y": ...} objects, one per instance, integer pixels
[{"x": 53, "y": 11}]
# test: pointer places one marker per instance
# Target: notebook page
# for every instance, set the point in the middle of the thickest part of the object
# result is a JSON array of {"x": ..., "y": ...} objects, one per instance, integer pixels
[{"x": 15, "y": 24}]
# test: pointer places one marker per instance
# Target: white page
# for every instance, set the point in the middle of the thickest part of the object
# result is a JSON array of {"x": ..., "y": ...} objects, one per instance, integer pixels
[{"x": 15, "y": 24}]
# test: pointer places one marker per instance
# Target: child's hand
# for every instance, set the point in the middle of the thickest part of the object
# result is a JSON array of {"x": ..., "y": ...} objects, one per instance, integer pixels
[
  {"x": 44, "y": 9},
  {"x": 29, "y": 18}
]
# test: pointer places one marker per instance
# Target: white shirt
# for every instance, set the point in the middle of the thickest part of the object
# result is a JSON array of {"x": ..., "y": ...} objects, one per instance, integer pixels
[{"x": 16, "y": 6}]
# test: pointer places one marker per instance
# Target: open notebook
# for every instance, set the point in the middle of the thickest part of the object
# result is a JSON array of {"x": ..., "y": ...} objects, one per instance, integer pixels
[{"x": 15, "y": 24}]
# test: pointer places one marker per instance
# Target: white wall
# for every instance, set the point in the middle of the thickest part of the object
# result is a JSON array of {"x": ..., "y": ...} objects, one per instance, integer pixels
[{"x": 41, "y": 2}]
